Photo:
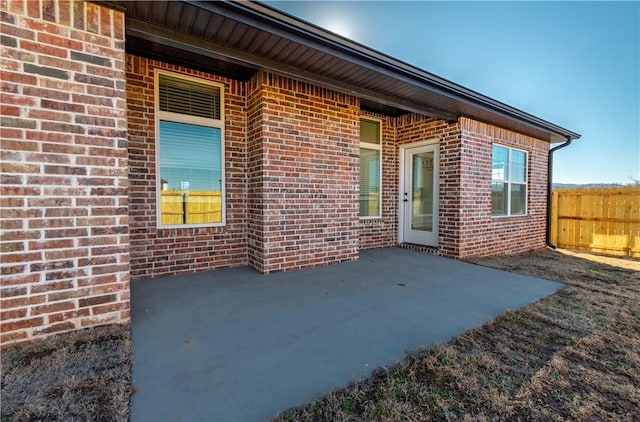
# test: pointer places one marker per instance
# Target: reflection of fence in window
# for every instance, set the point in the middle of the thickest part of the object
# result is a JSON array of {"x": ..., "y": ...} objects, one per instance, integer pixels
[
  {"x": 369, "y": 204},
  {"x": 193, "y": 207}
]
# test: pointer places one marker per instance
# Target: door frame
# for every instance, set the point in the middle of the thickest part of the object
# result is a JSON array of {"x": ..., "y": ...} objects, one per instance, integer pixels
[{"x": 401, "y": 176}]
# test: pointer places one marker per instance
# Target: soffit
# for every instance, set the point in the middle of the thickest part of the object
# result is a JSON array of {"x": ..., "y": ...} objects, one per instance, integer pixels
[{"x": 237, "y": 39}]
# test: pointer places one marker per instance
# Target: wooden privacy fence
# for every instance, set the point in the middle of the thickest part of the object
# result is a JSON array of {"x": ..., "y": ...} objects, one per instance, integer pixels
[
  {"x": 605, "y": 221},
  {"x": 193, "y": 207}
]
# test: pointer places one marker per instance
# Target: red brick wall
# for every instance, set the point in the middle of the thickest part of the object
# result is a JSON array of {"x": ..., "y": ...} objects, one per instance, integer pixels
[
  {"x": 63, "y": 216},
  {"x": 467, "y": 227},
  {"x": 304, "y": 174},
  {"x": 383, "y": 232},
  {"x": 79, "y": 175},
  {"x": 407, "y": 129},
  {"x": 415, "y": 128},
  {"x": 255, "y": 180},
  {"x": 480, "y": 233},
  {"x": 161, "y": 252},
  {"x": 291, "y": 173}
]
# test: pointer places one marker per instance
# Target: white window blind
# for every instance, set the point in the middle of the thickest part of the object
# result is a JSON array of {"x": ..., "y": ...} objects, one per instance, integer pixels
[
  {"x": 188, "y": 97},
  {"x": 370, "y": 169},
  {"x": 190, "y": 153}
]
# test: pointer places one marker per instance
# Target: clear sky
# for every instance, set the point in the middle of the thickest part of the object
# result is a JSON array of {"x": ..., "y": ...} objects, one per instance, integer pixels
[{"x": 575, "y": 64}]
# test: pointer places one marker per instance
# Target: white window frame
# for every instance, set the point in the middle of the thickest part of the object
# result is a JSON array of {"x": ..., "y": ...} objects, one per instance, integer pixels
[
  {"x": 378, "y": 147},
  {"x": 509, "y": 182},
  {"x": 193, "y": 120}
]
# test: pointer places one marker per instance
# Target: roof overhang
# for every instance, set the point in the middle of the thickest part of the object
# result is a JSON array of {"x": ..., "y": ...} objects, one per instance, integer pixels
[{"x": 236, "y": 39}]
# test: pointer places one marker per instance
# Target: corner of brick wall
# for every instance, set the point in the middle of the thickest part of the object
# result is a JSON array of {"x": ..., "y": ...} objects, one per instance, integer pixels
[
  {"x": 480, "y": 233},
  {"x": 255, "y": 181},
  {"x": 307, "y": 174},
  {"x": 64, "y": 205},
  {"x": 466, "y": 225}
]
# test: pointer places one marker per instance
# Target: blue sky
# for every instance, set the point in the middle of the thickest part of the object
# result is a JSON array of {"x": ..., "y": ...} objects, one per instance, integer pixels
[{"x": 576, "y": 64}]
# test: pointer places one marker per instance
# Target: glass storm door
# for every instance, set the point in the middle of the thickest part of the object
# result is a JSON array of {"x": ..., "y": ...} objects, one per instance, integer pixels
[{"x": 419, "y": 195}]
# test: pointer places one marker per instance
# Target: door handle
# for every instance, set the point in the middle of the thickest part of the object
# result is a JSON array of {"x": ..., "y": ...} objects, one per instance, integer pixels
[{"x": 405, "y": 200}]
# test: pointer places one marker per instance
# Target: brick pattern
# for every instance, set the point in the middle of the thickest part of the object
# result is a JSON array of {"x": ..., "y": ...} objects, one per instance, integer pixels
[
  {"x": 304, "y": 176},
  {"x": 161, "y": 252},
  {"x": 383, "y": 232},
  {"x": 255, "y": 182},
  {"x": 480, "y": 233},
  {"x": 64, "y": 206},
  {"x": 407, "y": 129},
  {"x": 79, "y": 179},
  {"x": 467, "y": 227},
  {"x": 291, "y": 173},
  {"x": 415, "y": 128}
]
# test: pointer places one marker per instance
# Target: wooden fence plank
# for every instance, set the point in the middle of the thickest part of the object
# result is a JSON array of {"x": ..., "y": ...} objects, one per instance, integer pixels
[{"x": 172, "y": 207}]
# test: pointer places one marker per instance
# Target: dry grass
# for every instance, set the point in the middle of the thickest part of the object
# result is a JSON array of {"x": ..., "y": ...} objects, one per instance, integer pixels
[
  {"x": 80, "y": 376},
  {"x": 573, "y": 355}
]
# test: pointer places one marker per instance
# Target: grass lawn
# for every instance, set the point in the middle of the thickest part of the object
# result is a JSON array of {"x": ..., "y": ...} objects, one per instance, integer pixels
[
  {"x": 79, "y": 376},
  {"x": 573, "y": 355}
]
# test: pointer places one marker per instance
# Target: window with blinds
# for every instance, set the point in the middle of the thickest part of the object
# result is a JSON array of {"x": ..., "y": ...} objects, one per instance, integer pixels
[
  {"x": 176, "y": 95},
  {"x": 370, "y": 169},
  {"x": 190, "y": 145}
]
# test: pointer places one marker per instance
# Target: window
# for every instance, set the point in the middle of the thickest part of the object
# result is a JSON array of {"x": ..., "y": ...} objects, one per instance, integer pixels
[
  {"x": 508, "y": 181},
  {"x": 190, "y": 151},
  {"x": 370, "y": 168}
]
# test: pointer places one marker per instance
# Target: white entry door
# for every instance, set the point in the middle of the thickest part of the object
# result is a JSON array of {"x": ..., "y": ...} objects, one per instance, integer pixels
[{"x": 419, "y": 195}]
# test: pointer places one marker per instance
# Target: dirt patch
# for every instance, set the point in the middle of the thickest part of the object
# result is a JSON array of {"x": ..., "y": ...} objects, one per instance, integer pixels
[
  {"x": 573, "y": 355},
  {"x": 81, "y": 376}
]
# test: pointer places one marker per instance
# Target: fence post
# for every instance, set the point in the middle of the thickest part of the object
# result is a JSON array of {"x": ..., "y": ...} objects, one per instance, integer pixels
[
  {"x": 554, "y": 218},
  {"x": 184, "y": 207}
]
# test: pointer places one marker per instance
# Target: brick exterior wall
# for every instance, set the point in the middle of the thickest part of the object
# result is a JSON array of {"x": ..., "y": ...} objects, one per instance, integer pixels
[
  {"x": 256, "y": 157},
  {"x": 466, "y": 226},
  {"x": 383, "y": 232},
  {"x": 304, "y": 174},
  {"x": 413, "y": 128},
  {"x": 291, "y": 160},
  {"x": 480, "y": 233},
  {"x": 64, "y": 206},
  {"x": 161, "y": 252},
  {"x": 407, "y": 129},
  {"x": 79, "y": 184}
]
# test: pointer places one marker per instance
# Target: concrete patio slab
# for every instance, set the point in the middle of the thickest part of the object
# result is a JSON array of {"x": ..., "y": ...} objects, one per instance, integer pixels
[{"x": 234, "y": 345}]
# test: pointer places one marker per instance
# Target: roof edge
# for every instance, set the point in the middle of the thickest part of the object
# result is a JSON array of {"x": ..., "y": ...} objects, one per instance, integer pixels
[{"x": 362, "y": 52}]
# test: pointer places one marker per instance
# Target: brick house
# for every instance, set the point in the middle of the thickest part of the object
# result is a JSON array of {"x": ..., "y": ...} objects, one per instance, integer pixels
[{"x": 145, "y": 139}]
